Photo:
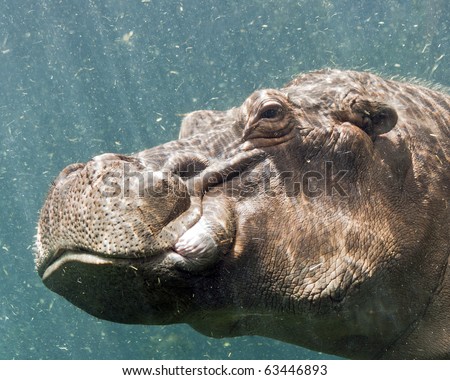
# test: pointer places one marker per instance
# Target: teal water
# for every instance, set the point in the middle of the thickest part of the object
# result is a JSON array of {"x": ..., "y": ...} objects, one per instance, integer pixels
[{"x": 79, "y": 78}]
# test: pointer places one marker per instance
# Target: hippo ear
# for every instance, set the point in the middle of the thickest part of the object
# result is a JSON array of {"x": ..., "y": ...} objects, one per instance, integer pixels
[{"x": 372, "y": 117}]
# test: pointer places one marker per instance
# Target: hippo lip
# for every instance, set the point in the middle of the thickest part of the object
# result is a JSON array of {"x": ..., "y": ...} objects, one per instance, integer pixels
[
  {"x": 65, "y": 256},
  {"x": 89, "y": 257},
  {"x": 169, "y": 258}
]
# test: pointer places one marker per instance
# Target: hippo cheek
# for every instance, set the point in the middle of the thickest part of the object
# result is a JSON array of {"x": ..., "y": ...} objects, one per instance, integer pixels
[{"x": 120, "y": 290}]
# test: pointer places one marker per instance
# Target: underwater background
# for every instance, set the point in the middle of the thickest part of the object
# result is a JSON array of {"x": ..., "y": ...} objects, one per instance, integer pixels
[{"x": 80, "y": 78}]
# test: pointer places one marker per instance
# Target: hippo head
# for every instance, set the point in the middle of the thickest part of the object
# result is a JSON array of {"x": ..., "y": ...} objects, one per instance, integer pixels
[{"x": 315, "y": 214}]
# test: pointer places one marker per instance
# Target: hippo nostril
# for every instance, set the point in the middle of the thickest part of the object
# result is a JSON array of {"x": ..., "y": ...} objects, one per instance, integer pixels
[
  {"x": 186, "y": 165},
  {"x": 190, "y": 169},
  {"x": 67, "y": 171}
]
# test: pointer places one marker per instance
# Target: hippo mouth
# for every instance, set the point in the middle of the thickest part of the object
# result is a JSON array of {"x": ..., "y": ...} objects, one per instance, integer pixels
[
  {"x": 63, "y": 257},
  {"x": 68, "y": 257}
]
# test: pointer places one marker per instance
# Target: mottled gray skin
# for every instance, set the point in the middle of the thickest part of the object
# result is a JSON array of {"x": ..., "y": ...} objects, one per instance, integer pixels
[{"x": 316, "y": 214}]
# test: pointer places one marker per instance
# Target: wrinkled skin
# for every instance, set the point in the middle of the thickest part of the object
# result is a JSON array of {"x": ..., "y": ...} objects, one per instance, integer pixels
[{"x": 316, "y": 214}]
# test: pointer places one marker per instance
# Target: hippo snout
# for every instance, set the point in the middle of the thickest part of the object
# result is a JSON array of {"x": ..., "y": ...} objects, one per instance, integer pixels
[{"x": 113, "y": 205}]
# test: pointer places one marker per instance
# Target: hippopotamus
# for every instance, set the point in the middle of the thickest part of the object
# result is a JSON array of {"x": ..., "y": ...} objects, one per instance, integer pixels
[{"x": 315, "y": 214}]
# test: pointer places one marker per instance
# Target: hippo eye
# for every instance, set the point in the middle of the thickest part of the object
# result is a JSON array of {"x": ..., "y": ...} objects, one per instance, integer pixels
[{"x": 271, "y": 112}]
